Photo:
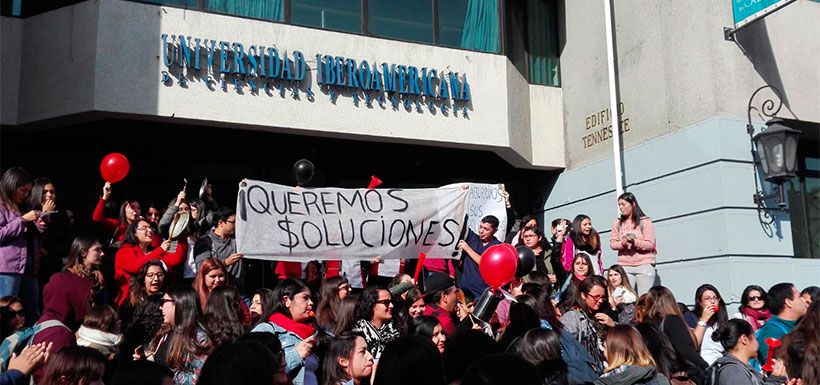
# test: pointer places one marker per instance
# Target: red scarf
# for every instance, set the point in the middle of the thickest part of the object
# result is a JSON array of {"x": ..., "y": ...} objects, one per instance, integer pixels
[
  {"x": 760, "y": 316},
  {"x": 302, "y": 330}
]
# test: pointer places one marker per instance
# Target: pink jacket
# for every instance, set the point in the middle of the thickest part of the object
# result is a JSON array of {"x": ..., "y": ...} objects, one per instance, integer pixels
[
  {"x": 643, "y": 251},
  {"x": 568, "y": 255}
]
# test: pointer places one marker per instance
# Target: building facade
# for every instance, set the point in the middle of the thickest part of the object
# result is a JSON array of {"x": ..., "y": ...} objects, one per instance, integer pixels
[{"x": 432, "y": 92}]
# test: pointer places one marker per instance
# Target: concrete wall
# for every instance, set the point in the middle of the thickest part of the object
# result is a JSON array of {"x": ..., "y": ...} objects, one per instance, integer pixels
[
  {"x": 676, "y": 69},
  {"x": 11, "y": 30},
  {"x": 696, "y": 184},
  {"x": 106, "y": 56}
]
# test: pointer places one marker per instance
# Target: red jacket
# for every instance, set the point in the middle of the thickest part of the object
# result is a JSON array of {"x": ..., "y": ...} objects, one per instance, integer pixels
[
  {"x": 448, "y": 324},
  {"x": 114, "y": 227},
  {"x": 130, "y": 259}
]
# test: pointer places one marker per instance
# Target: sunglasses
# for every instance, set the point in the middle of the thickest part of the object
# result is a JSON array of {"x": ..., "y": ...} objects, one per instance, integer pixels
[
  {"x": 12, "y": 314},
  {"x": 755, "y": 298},
  {"x": 385, "y": 302}
]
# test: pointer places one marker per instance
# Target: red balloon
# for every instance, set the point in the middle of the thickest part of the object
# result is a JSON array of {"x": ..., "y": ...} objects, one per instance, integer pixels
[
  {"x": 498, "y": 265},
  {"x": 114, "y": 167}
]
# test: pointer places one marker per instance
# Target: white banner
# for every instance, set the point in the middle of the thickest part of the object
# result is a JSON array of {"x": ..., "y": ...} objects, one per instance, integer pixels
[
  {"x": 277, "y": 222},
  {"x": 486, "y": 199}
]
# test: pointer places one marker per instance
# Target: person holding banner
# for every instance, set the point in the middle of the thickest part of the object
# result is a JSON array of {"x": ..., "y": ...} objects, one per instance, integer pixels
[{"x": 473, "y": 246}]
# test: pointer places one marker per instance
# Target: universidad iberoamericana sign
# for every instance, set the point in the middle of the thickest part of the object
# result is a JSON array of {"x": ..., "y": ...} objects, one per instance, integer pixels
[{"x": 266, "y": 69}]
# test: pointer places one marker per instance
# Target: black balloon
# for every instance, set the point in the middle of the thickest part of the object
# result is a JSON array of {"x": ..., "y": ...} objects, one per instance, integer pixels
[
  {"x": 303, "y": 171},
  {"x": 526, "y": 261}
]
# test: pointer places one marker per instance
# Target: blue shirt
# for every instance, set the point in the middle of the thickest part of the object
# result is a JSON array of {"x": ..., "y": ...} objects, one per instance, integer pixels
[{"x": 471, "y": 281}]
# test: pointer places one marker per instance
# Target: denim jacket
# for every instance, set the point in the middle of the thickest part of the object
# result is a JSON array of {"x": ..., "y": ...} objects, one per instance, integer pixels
[
  {"x": 294, "y": 364},
  {"x": 14, "y": 231}
]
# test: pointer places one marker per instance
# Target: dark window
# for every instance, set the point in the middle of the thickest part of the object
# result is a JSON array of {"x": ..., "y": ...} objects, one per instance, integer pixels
[
  {"x": 403, "y": 20},
  {"x": 804, "y": 192},
  {"x": 532, "y": 40},
  {"x": 338, "y": 15}
]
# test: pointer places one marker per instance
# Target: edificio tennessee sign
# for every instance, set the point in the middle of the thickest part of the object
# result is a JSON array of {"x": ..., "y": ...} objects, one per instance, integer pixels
[{"x": 223, "y": 64}]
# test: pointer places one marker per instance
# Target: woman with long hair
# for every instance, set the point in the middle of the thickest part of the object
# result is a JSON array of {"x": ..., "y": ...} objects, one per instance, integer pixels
[
  {"x": 182, "y": 343},
  {"x": 582, "y": 237},
  {"x": 800, "y": 351},
  {"x": 660, "y": 308},
  {"x": 711, "y": 309},
  {"x": 622, "y": 296},
  {"x": 136, "y": 250},
  {"x": 348, "y": 361},
  {"x": 374, "y": 316},
  {"x": 84, "y": 259},
  {"x": 129, "y": 213},
  {"x": 223, "y": 316},
  {"x": 138, "y": 322},
  {"x": 210, "y": 275},
  {"x": 633, "y": 237},
  {"x": 410, "y": 360},
  {"x": 542, "y": 348},
  {"x": 738, "y": 340},
  {"x": 292, "y": 321},
  {"x": 56, "y": 240},
  {"x": 261, "y": 306},
  {"x": 74, "y": 365},
  {"x": 414, "y": 304},
  {"x": 346, "y": 316},
  {"x": 585, "y": 323},
  {"x": 331, "y": 293},
  {"x": 430, "y": 327},
  {"x": 19, "y": 241},
  {"x": 753, "y": 307},
  {"x": 628, "y": 359},
  {"x": 522, "y": 318},
  {"x": 581, "y": 269}
]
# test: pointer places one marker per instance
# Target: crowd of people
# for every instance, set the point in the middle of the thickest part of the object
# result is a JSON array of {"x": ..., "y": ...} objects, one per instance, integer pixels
[{"x": 139, "y": 305}]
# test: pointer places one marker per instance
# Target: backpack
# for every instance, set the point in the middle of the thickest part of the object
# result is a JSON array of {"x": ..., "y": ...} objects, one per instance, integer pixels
[
  {"x": 713, "y": 373},
  {"x": 20, "y": 339}
]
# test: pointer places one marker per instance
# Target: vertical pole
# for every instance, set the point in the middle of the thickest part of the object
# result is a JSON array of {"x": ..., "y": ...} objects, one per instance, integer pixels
[{"x": 614, "y": 116}]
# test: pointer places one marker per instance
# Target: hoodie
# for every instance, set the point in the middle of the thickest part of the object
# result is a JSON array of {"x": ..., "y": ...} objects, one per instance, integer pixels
[
  {"x": 65, "y": 299},
  {"x": 631, "y": 375}
]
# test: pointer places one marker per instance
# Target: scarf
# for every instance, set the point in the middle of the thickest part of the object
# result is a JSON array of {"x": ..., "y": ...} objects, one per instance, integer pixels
[
  {"x": 759, "y": 316},
  {"x": 105, "y": 343},
  {"x": 300, "y": 329}
]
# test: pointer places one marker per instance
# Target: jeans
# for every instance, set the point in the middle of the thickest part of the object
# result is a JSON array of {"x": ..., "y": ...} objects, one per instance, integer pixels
[
  {"x": 641, "y": 277},
  {"x": 26, "y": 288}
]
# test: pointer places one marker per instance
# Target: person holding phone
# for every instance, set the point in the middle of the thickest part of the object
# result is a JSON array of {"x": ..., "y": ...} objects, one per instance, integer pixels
[{"x": 633, "y": 237}]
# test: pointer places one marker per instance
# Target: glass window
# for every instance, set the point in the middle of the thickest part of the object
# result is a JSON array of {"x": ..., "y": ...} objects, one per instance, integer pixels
[
  {"x": 403, "y": 20},
  {"x": 470, "y": 24},
  {"x": 338, "y": 15},
  {"x": 532, "y": 40},
  {"x": 259, "y": 9}
]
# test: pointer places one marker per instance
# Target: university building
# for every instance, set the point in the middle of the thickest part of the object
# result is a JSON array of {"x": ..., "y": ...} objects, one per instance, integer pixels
[{"x": 430, "y": 92}]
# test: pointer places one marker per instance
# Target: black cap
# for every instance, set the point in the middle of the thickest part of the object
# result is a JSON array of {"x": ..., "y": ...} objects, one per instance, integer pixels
[{"x": 438, "y": 282}]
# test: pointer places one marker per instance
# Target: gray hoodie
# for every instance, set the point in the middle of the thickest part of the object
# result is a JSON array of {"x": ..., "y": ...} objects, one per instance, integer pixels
[
  {"x": 213, "y": 246},
  {"x": 728, "y": 370},
  {"x": 632, "y": 375}
]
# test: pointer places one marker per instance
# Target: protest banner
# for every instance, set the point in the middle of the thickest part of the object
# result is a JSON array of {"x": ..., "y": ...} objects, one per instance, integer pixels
[
  {"x": 486, "y": 199},
  {"x": 276, "y": 222}
]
